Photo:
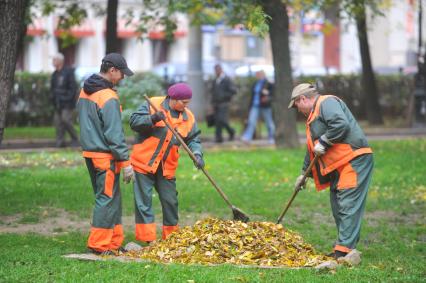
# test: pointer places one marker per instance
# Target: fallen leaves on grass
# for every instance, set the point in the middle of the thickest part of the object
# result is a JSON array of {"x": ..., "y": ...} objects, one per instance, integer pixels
[
  {"x": 214, "y": 241},
  {"x": 45, "y": 159}
]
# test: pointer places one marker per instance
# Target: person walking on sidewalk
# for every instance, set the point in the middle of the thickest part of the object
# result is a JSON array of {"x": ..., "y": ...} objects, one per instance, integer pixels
[
  {"x": 260, "y": 103},
  {"x": 105, "y": 152},
  {"x": 63, "y": 92},
  {"x": 222, "y": 90},
  {"x": 345, "y": 164},
  {"x": 155, "y": 157}
]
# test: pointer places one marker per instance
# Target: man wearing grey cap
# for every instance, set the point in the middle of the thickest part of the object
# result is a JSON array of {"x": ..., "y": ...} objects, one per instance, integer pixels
[
  {"x": 105, "y": 152},
  {"x": 345, "y": 163}
]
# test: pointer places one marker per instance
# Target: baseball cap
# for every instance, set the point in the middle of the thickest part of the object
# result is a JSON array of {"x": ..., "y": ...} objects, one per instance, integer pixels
[
  {"x": 301, "y": 89},
  {"x": 119, "y": 62}
]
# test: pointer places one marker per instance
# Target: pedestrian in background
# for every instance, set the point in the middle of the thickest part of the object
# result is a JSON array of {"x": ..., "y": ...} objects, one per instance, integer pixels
[
  {"x": 222, "y": 90},
  {"x": 260, "y": 103},
  {"x": 155, "y": 157},
  {"x": 63, "y": 91},
  {"x": 345, "y": 164},
  {"x": 105, "y": 152}
]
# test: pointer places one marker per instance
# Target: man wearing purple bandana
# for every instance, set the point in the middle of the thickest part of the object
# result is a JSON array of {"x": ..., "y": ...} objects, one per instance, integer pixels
[{"x": 155, "y": 157}]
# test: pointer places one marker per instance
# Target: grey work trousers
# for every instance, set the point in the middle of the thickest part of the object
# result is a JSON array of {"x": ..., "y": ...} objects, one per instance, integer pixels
[
  {"x": 348, "y": 204},
  {"x": 63, "y": 119}
]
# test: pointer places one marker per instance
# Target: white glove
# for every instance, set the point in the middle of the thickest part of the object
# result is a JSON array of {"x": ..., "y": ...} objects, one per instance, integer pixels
[
  {"x": 128, "y": 174},
  {"x": 319, "y": 149},
  {"x": 300, "y": 183}
]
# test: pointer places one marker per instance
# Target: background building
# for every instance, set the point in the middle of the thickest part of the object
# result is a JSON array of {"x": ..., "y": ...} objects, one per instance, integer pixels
[{"x": 317, "y": 47}]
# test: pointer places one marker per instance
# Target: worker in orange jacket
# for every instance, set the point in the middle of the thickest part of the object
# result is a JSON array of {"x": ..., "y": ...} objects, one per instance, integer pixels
[
  {"x": 105, "y": 152},
  {"x": 345, "y": 164},
  {"x": 155, "y": 157}
]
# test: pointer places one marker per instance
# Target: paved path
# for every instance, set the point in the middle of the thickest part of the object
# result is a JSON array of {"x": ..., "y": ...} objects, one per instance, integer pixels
[{"x": 29, "y": 145}]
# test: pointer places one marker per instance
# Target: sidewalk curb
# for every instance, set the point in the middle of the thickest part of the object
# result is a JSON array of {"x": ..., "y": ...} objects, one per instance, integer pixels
[{"x": 208, "y": 142}]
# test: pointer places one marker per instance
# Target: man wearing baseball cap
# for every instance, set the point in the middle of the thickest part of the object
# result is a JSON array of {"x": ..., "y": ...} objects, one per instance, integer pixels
[
  {"x": 105, "y": 152},
  {"x": 155, "y": 157},
  {"x": 345, "y": 164}
]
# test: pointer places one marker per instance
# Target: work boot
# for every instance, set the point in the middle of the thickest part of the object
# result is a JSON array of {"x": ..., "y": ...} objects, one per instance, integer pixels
[
  {"x": 120, "y": 251},
  {"x": 101, "y": 253},
  {"x": 336, "y": 254},
  {"x": 332, "y": 254}
]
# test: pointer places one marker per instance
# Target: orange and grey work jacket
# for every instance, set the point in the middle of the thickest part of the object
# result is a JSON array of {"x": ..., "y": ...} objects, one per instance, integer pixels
[
  {"x": 156, "y": 144},
  {"x": 101, "y": 130},
  {"x": 332, "y": 120}
]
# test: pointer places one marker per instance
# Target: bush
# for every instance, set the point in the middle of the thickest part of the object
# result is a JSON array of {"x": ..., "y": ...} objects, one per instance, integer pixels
[
  {"x": 394, "y": 92},
  {"x": 30, "y": 106},
  {"x": 29, "y": 103},
  {"x": 132, "y": 89}
]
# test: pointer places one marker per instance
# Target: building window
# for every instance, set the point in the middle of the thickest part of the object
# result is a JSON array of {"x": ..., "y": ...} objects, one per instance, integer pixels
[{"x": 254, "y": 46}]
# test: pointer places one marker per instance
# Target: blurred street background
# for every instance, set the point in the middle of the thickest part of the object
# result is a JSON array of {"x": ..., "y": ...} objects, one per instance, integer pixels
[{"x": 369, "y": 53}]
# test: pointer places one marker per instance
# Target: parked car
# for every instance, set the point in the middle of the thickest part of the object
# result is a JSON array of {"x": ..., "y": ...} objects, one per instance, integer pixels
[
  {"x": 178, "y": 71},
  {"x": 251, "y": 69},
  {"x": 82, "y": 73}
]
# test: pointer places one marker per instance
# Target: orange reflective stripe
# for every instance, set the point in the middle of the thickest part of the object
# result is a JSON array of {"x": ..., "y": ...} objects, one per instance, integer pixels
[
  {"x": 99, "y": 239},
  {"x": 342, "y": 249},
  {"x": 100, "y": 97},
  {"x": 333, "y": 162},
  {"x": 167, "y": 230},
  {"x": 117, "y": 237},
  {"x": 171, "y": 163},
  {"x": 104, "y": 164},
  {"x": 101, "y": 163},
  {"x": 142, "y": 154},
  {"x": 347, "y": 177},
  {"x": 145, "y": 232},
  {"x": 94, "y": 154},
  {"x": 109, "y": 183}
]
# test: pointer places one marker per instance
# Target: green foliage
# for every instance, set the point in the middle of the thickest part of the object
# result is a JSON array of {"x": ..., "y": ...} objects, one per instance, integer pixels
[
  {"x": 70, "y": 14},
  {"x": 258, "y": 181},
  {"x": 202, "y": 12},
  {"x": 394, "y": 92},
  {"x": 353, "y": 8},
  {"x": 30, "y": 100},
  {"x": 30, "y": 104},
  {"x": 132, "y": 89}
]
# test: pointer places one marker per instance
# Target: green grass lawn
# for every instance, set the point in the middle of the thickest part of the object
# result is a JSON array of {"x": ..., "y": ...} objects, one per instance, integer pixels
[{"x": 259, "y": 182}]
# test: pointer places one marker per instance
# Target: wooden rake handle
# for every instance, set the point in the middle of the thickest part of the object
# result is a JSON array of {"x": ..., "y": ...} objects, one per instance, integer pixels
[
  {"x": 191, "y": 154},
  {"x": 297, "y": 188}
]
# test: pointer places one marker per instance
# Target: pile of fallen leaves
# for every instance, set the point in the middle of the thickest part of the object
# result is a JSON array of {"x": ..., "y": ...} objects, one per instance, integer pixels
[{"x": 214, "y": 241}]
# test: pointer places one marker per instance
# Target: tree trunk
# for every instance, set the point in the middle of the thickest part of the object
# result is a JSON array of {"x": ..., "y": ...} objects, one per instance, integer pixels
[
  {"x": 111, "y": 27},
  {"x": 374, "y": 113},
  {"x": 12, "y": 30},
  {"x": 285, "y": 119},
  {"x": 195, "y": 71}
]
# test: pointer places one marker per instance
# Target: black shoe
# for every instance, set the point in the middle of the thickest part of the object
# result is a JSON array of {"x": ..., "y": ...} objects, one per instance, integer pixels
[
  {"x": 61, "y": 145},
  {"x": 232, "y": 135},
  {"x": 121, "y": 251},
  {"x": 103, "y": 253},
  {"x": 336, "y": 254},
  {"x": 332, "y": 254},
  {"x": 218, "y": 140},
  {"x": 339, "y": 254}
]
